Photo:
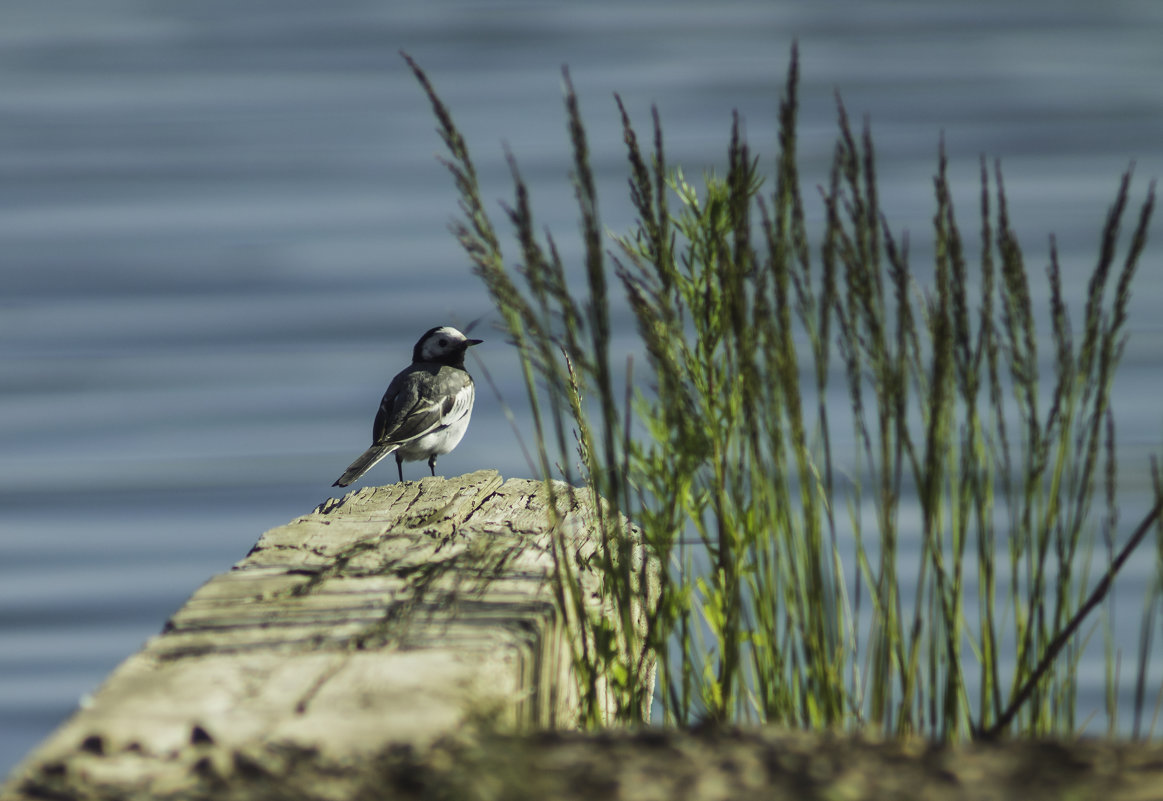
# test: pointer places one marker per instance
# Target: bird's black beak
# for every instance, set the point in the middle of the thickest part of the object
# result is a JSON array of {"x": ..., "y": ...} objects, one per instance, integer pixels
[{"x": 470, "y": 342}]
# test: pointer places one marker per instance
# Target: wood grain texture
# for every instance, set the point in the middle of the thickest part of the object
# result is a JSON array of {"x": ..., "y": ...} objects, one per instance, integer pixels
[{"x": 395, "y": 615}]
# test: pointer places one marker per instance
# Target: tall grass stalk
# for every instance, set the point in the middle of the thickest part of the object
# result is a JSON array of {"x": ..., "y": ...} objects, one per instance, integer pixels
[{"x": 724, "y": 451}]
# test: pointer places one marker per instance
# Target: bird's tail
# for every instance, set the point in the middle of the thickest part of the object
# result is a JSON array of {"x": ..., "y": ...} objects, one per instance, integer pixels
[{"x": 367, "y": 460}]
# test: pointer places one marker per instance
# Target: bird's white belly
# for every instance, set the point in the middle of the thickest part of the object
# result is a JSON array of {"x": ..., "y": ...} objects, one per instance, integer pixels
[{"x": 436, "y": 442}]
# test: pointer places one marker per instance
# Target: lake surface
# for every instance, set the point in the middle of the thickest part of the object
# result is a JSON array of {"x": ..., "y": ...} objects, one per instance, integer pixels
[{"x": 223, "y": 227}]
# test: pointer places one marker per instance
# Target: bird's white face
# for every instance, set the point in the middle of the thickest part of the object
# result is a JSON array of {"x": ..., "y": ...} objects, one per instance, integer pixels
[{"x": 441, "y": 342}]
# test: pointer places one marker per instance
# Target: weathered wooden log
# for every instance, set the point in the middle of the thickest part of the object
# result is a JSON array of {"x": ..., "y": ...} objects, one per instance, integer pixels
[{"x": 394, "y": 616}]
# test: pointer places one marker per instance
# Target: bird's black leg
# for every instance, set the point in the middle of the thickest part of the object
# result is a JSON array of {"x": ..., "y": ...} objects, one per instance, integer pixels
[
  {"x": 432, "y": 464},
  {"x": 400, "y": 465}
]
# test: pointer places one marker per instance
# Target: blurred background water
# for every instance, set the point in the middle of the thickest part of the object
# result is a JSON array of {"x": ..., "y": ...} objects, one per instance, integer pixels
[{"x": 222, "y": 228}]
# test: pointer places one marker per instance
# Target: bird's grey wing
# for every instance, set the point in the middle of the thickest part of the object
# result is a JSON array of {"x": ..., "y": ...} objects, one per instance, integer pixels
[
  {"x": 406, "y": 412},
  {"x": 459, "y": 402},
  {"x": 401, "y": 417}
]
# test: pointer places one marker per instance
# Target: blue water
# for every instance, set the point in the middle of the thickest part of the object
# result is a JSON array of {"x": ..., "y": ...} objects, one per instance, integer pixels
[{"x": 222, "y": 227}]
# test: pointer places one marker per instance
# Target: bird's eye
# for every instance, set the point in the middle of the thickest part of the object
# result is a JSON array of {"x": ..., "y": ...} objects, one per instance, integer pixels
[{"x": 443, "y": 342}]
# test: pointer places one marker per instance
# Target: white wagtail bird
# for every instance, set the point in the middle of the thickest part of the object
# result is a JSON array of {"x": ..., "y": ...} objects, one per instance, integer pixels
[{"x": 425, "y": 410}]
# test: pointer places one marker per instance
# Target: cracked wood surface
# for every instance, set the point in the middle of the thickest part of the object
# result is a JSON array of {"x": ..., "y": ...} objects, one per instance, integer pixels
[{"x": 396, "y": 614}]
